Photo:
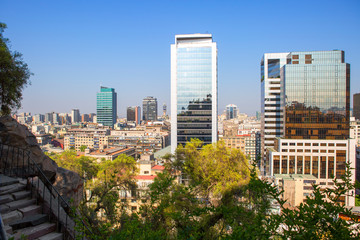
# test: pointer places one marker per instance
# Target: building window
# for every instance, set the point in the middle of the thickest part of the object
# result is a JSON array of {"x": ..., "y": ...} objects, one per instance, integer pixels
[
  {"x": 295, "y": 56},
  {"x": 315, "y": 166},
  {"x": 299, "y": 165}
]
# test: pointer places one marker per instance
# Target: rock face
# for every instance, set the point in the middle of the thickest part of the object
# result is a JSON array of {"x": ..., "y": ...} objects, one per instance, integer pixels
[{"x": 12, "y": 133}]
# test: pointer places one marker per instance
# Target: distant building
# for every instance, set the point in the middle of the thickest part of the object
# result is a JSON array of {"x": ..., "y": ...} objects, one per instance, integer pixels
[
  {"x": 133, "y": 114},
  {"x": 164, "y": 109},
  {"x": 56, "y": 119},
  {"x": 85, "y": 118},
  {"x": 150, "y": 109},
  {"x": 106, "y": 107},
  {"x": 231, "y": 111},
  {"x": 75, "y": 116},
  {"x": 356, "y": 106},
  {"x": 193, "y": 89},
  {"x": 39, "y": 118},
  {"x": 48, "y": 117}
]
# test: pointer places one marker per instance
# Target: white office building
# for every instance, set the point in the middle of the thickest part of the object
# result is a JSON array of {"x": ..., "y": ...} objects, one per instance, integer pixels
[{"x": 193, "y": 89}]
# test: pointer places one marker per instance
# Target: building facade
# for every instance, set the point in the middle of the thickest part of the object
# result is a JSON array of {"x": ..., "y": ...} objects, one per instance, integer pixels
[
  {"x": 193, "y": 89},
  {"x": 133, "y": 114},
  {"x": 356, "y": 106},
  {"x": 316, "y": 144},
  {"x": 150, "y": 109},
  {"x": 75, "y": 116},
  {"x": 106, "y": 107},
  {"x": 231, "y": 111},
  {"x": 271, "y": 108}
]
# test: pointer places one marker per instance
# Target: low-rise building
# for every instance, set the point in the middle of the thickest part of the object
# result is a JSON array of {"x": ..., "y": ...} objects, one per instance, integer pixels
[{"x": 295, "y": 163}]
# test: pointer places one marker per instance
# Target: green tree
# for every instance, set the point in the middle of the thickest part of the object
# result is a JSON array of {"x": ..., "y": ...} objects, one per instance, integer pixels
[
  {"x": 14, "y": 76},
  {"x": 82, "y": 148}
]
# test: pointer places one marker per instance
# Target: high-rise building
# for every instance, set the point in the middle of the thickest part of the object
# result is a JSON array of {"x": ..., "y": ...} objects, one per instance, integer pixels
[
  {"x": 106, "y": 106},
  {"x": 356, "y": 106},
  {"x": 48, "y": 117},
  {"x": 231, "y": 111},
  {"x": 133, "y": 114},
  {"x": 193, "y": 89},
  {"x": 85, "y": 118},
  {"x": 315, "y": 145},
  {"x": 38, "y": 118},
  {"x": 316, "y": 95},
  {"x": 271, "y": 110},
  {"x": 55, "y": 118},
  {"x": 150, "y": 109},
  {"x": 75, "y": 116}
]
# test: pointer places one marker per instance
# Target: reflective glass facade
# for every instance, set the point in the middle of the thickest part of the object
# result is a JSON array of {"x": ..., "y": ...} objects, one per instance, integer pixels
[
  {"x": 106, "y": 106},
  {"x": 193, "y": 84},
  {"x": 316, "y": 95}
]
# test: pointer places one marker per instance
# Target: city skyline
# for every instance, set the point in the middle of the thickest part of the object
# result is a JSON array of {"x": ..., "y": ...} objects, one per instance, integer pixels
[{"x": 74, "y": 48}]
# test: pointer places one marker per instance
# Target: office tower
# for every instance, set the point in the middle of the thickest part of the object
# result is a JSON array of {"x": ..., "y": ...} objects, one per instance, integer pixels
[
  {"x": 75, "y": 116},
  {"x": 85, "y": 118},
  {"x": 193, "y": 89},
  {"x": 106, "y": 106},
  {"x": 48, "y": 117},
  {"x": 271, "y": 109},
  {"x": 231, "y": 111},
  {"x": 55, "y": 118},
  {"x": 39, "y": 118},
  {"x": 150, "y": 109},
  {"x": 356, "y": 106},
  {"x": 317, "y": 95},
  {"x": 315, "y": 92},
  {"x": 133, "y": 114}
]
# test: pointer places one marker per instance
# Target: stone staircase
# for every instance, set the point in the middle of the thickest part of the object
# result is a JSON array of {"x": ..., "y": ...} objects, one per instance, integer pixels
[{"x": 23, "y": 215}]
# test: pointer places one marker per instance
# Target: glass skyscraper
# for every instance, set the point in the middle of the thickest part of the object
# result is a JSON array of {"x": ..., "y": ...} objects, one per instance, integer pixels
[
  {"x": 106, "y": 106},
  {"x": 193, "y": 89},
  {"x": 317, "y": 95}
]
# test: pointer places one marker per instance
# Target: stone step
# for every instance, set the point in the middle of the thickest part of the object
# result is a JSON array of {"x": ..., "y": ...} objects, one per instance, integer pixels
[
  {"x": 8, "y": 229},
  {"x": 21, "y": 195},
  {"x": 11, "y": 216},
  {"x": 35, "y": 232},
  {"x": 29, "y": 221},
  {"x": 52, "y": 236},
  {"x": 30, "y": 210},
  {"x": 5, "y": 180},
  {"x": 4, "y": 209},
  {"x": 6, "y": 198},
  {"x": 12, "y": 188},
  {"x": 20, "y": 203}
]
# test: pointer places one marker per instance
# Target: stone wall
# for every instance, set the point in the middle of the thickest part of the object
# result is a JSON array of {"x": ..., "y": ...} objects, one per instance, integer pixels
[{"x": 14, "y": 134}]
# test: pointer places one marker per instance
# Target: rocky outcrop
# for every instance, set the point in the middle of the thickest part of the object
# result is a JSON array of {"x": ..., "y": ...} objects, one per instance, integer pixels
[{"x": 12, "y": 133}]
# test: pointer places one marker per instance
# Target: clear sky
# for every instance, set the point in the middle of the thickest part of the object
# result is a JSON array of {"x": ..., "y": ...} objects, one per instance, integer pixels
[{"x": 73, "y": 47}]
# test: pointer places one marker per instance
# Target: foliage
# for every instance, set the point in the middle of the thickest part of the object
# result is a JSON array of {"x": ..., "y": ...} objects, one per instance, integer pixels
[
  {"x": 243, "y": 209},
  {"x": 103, "y": 181},
  {"x": 82, "y": 148},
  {"x": 223, "y": 198},
  {"x": 14, "y": 76}
]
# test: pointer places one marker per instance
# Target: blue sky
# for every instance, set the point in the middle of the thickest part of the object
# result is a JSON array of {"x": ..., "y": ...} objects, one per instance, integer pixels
[{"x": 73, "y": 47}]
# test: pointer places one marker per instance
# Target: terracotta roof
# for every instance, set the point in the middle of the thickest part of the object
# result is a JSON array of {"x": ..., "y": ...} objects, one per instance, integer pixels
[
  {"x": 145, "y": 177},
  {"x": 158, "y": 167}
]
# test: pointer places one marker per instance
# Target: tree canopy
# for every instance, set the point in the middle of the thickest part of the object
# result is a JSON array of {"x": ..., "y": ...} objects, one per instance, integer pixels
[{"x": 14, "y": 76}]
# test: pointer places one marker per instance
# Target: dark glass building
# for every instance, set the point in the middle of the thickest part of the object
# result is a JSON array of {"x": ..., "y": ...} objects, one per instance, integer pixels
[{"x": 316, "y": 95}]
